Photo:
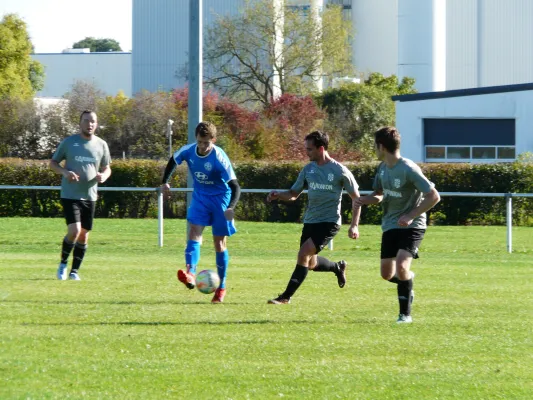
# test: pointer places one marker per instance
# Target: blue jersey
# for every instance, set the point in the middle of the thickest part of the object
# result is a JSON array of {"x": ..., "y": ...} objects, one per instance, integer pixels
[{"x": 211, "y": 173}]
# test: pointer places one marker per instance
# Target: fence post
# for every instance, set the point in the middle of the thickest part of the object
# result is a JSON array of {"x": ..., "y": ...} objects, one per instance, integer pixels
[
  {"x": 160, "y": 215},
  {"x": 509, "y": 218}
]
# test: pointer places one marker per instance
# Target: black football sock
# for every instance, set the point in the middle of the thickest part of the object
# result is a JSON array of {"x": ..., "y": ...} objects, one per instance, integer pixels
[
  {"x": 79, "y": 253},
  {"x": 66, "y": 249},
  {"x": 298, "y": 276},
  {"x": 404, "y": 296},
  {"x": 395, "y": 280},
  {"x": 325, "y": 265}
]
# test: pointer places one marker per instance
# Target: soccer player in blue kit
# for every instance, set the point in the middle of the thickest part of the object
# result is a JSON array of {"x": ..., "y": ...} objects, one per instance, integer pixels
[{"x": 215, "y": 194}]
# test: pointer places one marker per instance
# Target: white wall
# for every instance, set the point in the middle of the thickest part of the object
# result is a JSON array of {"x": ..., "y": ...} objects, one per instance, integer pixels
[
  {"x": 375, "y": 45},
  {"x": 422, "y": 43},
  {"x": 489, "y": 43},
  {"x": 111, "y": 72},
  {"x": 517, "y": 105}
]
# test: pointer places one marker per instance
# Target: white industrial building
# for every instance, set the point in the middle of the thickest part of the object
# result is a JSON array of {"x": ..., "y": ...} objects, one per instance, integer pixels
[
  {"x": 488, "y": 124},
  {"x": 443, "y": 44},
  {"x": 446, "y": 45},
  {"x": 108, "y": 71},
  {"x": 473, "y": 61}
]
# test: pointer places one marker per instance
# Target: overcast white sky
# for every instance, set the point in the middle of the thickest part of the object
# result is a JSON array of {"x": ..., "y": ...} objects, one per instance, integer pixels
[{"x": 55, "y": 25}]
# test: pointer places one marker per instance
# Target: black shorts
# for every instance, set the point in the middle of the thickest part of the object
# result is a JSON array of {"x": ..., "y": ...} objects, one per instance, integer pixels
[
  {"x": 320, "y": 233},
  {"x": 401, "y": 239},
  {"x": 79, "y": 211}
]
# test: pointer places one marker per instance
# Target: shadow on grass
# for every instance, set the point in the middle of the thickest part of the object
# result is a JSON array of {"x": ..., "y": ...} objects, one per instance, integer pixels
[
  {"x": 206, "y": 302},
  {"x": 216, "y": 323},
  {"x": 28, "y": 279}
]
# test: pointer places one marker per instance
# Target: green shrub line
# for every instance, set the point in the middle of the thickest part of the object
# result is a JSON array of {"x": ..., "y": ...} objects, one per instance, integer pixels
[{"x": 481, "y": 178}]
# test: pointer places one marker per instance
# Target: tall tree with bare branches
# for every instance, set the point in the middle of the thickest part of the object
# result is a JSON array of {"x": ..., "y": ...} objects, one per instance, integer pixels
[{"x": 242, "y": 61}]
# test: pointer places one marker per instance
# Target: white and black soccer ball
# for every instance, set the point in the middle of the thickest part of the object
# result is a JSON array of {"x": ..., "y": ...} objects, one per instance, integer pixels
[{"x": 207, "y": 281}]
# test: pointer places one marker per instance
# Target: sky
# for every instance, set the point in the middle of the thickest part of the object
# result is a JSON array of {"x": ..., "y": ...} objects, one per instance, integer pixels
[{"x": 55, "y": 25}]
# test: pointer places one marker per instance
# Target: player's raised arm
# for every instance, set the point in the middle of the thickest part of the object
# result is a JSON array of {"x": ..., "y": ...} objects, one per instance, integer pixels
[
  {"x": 293, "y": 193},
  {"x": 288, "y": 195},
  {"x": 373, "y": 198},
  {"x": 171, "y": 166},
  {"x": 103, "y": 175},
  {"x": 352, "y": 187},
  {"x": 353, "y": 230},
  {"x": 234, "y": 199},
  {"x": 431, "y": 198}
]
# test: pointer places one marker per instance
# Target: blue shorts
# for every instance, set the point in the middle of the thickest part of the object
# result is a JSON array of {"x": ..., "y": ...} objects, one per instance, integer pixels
[{"x": 209, "y": 211}]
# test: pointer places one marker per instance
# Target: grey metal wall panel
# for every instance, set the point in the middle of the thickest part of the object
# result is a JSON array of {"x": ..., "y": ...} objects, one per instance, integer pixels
[
  {"x": 161, "y": 39},
  {"x": 507, "y": 42},
  {"x": 461, "y": 44},
  {"x": 489, "y": 43},
  {"x": 110, "y": 72}
]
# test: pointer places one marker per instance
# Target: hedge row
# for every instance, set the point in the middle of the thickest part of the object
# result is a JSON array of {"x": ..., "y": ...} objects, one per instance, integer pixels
[{"x": 485, "y": 178}]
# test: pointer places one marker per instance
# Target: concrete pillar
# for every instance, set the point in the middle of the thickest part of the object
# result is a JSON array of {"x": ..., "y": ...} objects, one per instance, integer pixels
[
  {"x": 422, "y": 43},
  {"x": 279, "y": 21},
  {"x": 317, "y": 6}
]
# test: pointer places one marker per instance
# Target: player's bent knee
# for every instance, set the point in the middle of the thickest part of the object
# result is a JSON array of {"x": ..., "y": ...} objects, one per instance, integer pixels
[
  {"x": 73, "y": 233},
  {"x": 83, "y": 237},
  {"x": 387, "y": 276}
]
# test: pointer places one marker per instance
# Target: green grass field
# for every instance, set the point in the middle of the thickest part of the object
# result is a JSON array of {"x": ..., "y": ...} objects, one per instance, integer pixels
[{"x": 130, "y": 330}]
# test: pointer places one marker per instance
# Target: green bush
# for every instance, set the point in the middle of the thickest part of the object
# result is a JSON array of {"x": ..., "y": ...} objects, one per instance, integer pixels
[{"x": 483, "y": 178}]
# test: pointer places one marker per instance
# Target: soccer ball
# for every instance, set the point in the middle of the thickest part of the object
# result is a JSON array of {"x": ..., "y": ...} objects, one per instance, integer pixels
[{"x": 207, "y": 281}]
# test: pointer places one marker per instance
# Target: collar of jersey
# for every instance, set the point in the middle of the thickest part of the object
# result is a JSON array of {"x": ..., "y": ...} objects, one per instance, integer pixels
[{"x": 204, "y": 156}]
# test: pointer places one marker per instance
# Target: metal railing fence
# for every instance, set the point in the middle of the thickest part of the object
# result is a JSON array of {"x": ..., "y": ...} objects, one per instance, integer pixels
[{"x": 508, "y": 202}]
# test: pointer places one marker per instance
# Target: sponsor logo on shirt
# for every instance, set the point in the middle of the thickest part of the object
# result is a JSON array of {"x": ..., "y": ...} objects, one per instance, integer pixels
[
  {"x": 85, "y": 159},
  {"x": 392, "y": 193},
  {"x": 320, "y": 186},
  {"x": 76, "y": 144},
  {"x": 203, "y": 178}
]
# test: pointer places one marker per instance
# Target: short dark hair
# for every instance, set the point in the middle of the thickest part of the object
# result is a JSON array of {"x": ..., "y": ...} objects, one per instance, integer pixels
[
  {"x": 318, "y": 138},
  {"x": 206, "y": 129},
  {"x": 389, "y": 137},
  {"x": 86, "y": 112}
]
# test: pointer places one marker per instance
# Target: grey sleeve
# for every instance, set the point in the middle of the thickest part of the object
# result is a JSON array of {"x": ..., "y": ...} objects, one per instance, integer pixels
[
  {"x": 59, "y": 155},
  {"x": 106, "y": 159},
  {"x": 376, "y": 185},
  {"x": 419, "y": 180},
  {"x": 350, "y": 184},
  {"x": 299, "y": 184}
]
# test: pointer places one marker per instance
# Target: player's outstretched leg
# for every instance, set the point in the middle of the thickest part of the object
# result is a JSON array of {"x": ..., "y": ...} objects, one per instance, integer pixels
[
  {"x": 66, "y": 249},
  {"x": 297, "y": 278},
  {"x": 192, "y": 257},
  {"x": 222, "y": 259},
  {"x": 79, "y": 253},
  {"x": 338, "y": 268},
  {"x": 405, "y": 296}
]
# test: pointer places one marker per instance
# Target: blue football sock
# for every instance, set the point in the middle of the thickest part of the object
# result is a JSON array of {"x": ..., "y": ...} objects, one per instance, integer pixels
[
  {"x": 222, "y": 267},
  {"x": 192, "y": 255}
]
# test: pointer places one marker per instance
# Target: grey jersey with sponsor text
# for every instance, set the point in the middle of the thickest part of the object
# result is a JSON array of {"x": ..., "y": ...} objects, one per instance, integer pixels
[
  {"x": 403, "y": 187},
  {"x": 85, "y": 158},
  {"x": 324, "y": 184}
]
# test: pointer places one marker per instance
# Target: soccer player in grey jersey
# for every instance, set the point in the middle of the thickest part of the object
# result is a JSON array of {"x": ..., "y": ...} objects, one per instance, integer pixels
[
  {"x": 325, "y": 179},
  {"x": 86, "y": 163},
  {"x": 405, "y": 194}
]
